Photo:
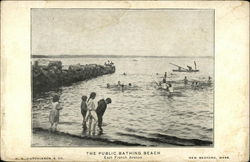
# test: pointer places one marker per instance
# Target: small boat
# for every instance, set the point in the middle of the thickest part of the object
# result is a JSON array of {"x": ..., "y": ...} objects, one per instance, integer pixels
[{"x": 182, "y": 69}]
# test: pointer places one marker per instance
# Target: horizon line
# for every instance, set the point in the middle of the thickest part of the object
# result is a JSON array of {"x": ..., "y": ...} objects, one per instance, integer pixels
[{"x": 67, "y": 55}]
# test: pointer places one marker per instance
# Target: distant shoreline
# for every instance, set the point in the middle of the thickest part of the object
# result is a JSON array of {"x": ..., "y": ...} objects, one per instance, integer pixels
[{"x": 113, "y": 56}]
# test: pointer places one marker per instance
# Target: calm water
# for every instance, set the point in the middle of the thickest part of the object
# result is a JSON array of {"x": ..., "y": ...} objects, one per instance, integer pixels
[{"x": 144, "y": 115}]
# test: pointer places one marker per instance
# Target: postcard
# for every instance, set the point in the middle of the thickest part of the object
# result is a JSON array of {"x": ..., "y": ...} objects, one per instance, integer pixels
[{"x": 125, "y": 81}]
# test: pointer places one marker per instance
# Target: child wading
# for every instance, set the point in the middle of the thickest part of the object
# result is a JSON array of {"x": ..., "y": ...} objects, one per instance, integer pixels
[
  {"x": 54, "y": 113},
  {"x": 84, "y": 112},
  {"x": 91, "y": 113},
  {"x": 100, "y": 110}
]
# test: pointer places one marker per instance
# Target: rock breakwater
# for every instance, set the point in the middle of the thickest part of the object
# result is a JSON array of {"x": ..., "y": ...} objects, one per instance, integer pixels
[{"x": 53, "y": 75}]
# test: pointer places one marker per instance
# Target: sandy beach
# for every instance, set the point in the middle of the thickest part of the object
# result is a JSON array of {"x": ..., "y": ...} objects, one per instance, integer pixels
[
  {"x": 45, "y": 138},
  {"x": 56, "y": 139}
]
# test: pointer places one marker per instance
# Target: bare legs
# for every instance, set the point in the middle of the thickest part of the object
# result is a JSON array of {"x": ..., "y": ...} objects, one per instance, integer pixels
[
  {"x": 55, "y": 126},
  {"x": 92, "y": 125}
]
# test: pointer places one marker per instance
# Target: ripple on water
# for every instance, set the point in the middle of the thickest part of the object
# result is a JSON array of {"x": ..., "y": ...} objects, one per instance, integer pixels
[{"x": 140, "y": 114}]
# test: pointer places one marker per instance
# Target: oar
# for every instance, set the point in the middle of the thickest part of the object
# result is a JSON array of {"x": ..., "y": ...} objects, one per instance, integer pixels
[{"x": 178, "y": 66}]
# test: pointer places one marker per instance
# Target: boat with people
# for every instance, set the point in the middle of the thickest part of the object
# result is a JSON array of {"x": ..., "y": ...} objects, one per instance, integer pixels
[{"x": 182, "y": 69}]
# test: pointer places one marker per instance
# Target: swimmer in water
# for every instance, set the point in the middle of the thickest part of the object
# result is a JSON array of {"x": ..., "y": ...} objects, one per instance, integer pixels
[
  {"x": 196, "y": 85},
  {"x": 170, "y": 88},
  {"x": 164, "y": 86},
  {"x": 185, "y": 80},
  {"x": 122, "y": 87},
  {"x": 119, "y": 83},
  {"x": 108, "y": 85}
]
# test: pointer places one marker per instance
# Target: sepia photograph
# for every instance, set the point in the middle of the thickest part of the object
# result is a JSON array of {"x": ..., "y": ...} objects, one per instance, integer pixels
[
  {"x": 122, "y": 77},
  {"x": 124, "y": 81}
]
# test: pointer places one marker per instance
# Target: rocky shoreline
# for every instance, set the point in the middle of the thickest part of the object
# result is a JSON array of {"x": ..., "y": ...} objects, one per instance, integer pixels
[{"x": 53, "y": 75}]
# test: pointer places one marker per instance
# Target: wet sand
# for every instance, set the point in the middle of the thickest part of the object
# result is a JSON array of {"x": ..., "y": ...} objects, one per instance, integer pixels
[{"x": 44, "y": 139}]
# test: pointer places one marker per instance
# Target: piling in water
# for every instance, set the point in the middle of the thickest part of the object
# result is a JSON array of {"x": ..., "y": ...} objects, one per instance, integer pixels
[{"x": 52, "y": 76}]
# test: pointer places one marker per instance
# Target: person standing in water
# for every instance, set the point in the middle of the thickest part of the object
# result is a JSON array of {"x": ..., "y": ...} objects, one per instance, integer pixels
[
  {"x": 54, "y": 113},
  {"x": 165, "y": 75},
  {"x": 164, "y": 80},
  {"x": 84, "y": 110},
  {"x": 100, "y": 110},
  {"x": 164, "y": 83},
  {"x": 91, "y": 113},
  {"x": 185, "y": 80},
  {"x": 209, "y": 80}
]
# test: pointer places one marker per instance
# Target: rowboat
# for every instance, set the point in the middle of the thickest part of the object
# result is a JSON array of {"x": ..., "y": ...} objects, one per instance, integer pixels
[
  {"x": 182, "y": 69},
  {"x": 186, "y": 70}
]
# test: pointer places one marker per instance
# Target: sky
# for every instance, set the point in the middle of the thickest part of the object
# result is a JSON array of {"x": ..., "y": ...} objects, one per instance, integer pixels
[{"x": 162, "y": 32}]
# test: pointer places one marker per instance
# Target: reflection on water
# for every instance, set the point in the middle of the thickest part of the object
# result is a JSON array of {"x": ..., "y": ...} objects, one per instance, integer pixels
[{"x": 144, "y": 114}]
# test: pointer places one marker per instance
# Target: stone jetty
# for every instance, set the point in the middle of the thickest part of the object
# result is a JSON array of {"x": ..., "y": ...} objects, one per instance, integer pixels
[{"x": 53, "y": 75}]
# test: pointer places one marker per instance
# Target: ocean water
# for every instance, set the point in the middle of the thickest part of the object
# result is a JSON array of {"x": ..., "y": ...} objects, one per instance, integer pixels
[{"x": 143, "y": 115}]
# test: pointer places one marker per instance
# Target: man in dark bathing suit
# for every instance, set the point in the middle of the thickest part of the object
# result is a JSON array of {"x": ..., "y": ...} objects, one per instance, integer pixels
[
  {"x": 100, "y": 110},
  {"x": 84, "y": 112}
]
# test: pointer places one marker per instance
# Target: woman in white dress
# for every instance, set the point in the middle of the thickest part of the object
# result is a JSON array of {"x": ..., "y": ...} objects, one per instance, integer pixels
[
  {"x": 54, "y": 113},
  {"x": 91, "y": 113}
]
